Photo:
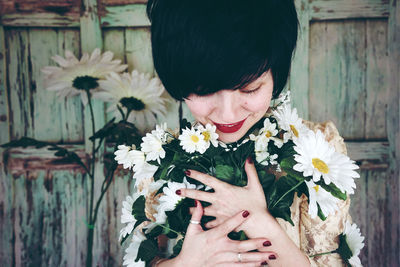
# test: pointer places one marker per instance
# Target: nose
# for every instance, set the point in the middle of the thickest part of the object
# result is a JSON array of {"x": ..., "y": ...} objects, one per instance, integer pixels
[{"x": 228, "y": 106}]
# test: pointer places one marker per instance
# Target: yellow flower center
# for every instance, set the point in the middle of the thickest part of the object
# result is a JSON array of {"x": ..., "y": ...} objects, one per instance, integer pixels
[
  {"x": 316, "y": 188},
  {"x": 268, "y": 134},
  {"x": 294, "y": 130},
  {"x": 320, "y": 165},
  {"x": 206, "y": 135},
  {"x": 194, "y": 138}
]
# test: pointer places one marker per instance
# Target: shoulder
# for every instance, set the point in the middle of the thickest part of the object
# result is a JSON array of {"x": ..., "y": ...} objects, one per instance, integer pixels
[{"x": 331, "y": 133}]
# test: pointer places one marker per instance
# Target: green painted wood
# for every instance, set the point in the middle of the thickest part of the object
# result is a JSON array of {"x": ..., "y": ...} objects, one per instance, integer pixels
[
  {"x": 393, "y": 130},
  {"x": 4, "y": 117},
  {"x": 133, "y": 15},
  {"x": 46, "y": 19},
  {"x": 377, "y": 80},
  {"x": 6, "y": 217},
  {"x": 138, "y": 50},
  {"x": 21, "y": 95},
  {"x": 71, "y": 110},
  {"x": 344, "y": 9},
  {"x": 337, "y": 75},
  {"x": 299, "y": 84}
]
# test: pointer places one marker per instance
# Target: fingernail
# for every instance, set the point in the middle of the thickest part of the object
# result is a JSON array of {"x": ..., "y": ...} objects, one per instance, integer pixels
[
  {"x": 264, "y": 263},
  {"x": 178, "y": 192},
  {"x": 272, "y": 257},
  {"x": 195, "y": 203},
  {"x": 250, "y": 160},
  {"x": 267, "y": 244},
  {"x": 245, "y": 213},
  {"x": 187, "y": 173}
]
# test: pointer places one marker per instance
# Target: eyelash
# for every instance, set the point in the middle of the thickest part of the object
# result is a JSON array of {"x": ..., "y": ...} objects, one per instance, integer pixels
[{"x": 250, "y": 92}]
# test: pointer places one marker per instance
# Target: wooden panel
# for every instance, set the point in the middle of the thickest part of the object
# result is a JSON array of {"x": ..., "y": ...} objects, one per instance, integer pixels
[
  {"x": 6, "y": 217},
  {"x": 122, "y": 2},
  {"x": 337, "y": 75},
  {"x": 29, "y": 6},
  {"x": 377, "y": 80},
  {"x": 393, "y": 125},
  {"x": 4, "y": 118},
  {"x": 48, "y": 208},
  {"x": 344, "y": 9},
  {"x": 299, "y": 75},
  {"x": 21, "y": 95},
  {"x": 125, "y": 16},
  {"x": 40, "y": 20}
]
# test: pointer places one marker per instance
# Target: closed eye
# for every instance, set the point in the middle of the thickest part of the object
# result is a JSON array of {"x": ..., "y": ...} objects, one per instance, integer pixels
[{"x": 250, "y": 92}]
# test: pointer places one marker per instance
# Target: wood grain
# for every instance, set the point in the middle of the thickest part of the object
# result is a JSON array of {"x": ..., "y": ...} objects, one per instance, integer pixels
[
  {"x": 125, "y": 16},
  {"x": 4, "y": 92}
]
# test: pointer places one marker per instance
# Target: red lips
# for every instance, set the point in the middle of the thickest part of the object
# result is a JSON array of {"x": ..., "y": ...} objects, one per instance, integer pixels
[{"x": 229, "y": 128}]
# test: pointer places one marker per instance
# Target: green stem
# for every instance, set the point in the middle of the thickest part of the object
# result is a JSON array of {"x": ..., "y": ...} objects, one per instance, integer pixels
[
  {"x": 293, "y": 188},
  {"x": 108, "y": 179},
  {"x": 169, "y": 229},
  {"x": 92, "y": 176}
]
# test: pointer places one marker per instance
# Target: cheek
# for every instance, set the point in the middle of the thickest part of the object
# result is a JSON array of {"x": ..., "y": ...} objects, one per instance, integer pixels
[
  {"x": 259, "y": 103},
  {"x": 198, "y": 108}
]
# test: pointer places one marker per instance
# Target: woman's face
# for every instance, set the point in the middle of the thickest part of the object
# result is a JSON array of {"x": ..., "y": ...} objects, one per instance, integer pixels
[{"x": 233, "y": 112}]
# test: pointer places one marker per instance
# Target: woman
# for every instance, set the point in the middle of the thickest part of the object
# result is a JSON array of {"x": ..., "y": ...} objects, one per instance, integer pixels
[{"x": 227, "y": 59}]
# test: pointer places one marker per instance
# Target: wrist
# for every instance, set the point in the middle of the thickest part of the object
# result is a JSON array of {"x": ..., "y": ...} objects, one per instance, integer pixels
[{"x": 258, "y": 222}]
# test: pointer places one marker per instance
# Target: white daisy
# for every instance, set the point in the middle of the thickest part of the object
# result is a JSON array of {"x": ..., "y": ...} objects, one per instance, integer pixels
[
  {"x": 170, "y": 199},
  {"x": 192, "y": 141},
  {"x": 267, "y": 133},
  {"x": 210, "y": 136},
  {"x": 326, "y": 201},
  {"x": 132, "y": 251},
  {"x": 317, "y": 158},
  {"x": 152, "y": 146},
  {"x": 147, "y": 171},
  {"x": 355, "y": 241},
  {"x": 129, "y": 157},
  {"x": 289, "y": 121},
  {"x": 136, "y": 94},
  {"x": 265, "y": 158},
  {"x": 127, "y": 217},
  {"x": 71, "y": 77}
]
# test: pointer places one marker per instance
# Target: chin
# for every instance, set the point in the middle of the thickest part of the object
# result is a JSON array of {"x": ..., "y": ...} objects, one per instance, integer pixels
[{"x": 230, "y": 137}]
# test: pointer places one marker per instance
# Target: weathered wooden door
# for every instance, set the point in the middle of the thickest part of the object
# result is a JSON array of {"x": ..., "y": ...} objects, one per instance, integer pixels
[{"x": 346, "y": 69}]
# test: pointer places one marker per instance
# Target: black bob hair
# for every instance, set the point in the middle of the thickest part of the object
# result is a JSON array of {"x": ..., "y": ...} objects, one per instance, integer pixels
[{"x": 203, "y": 46}]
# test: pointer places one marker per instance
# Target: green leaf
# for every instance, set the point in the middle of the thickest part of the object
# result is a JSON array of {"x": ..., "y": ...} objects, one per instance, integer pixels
[
  {"x": 138, "y": 210},
  {"x": 321, "y": 215},
  {"x": 287, "y": 166},
  {"x": 331, "y": 188},
  {"x": 123, "y": 239},
  {"x": 177, "y": 248},
  {"x": 25, "y": 142},
  {"x": 344, "y": 249},
  {"x": 148, "y": 249},
  {"x": 224, "y": 172}
]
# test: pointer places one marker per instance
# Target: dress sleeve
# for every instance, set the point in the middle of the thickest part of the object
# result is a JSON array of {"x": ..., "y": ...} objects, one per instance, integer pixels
[{"x": 317, "y": 236}]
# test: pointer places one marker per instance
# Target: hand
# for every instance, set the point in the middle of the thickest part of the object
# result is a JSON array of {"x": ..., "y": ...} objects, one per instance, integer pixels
[
  {"x": 214, "y": 248},
  {"x": 227, "y": 200}
]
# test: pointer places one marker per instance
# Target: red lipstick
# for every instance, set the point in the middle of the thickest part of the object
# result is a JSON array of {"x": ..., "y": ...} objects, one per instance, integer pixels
[{"x": 229, "y": 128}]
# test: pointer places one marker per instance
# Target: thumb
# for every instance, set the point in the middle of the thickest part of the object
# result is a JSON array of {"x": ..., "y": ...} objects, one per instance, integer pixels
[{"x": 195, "y": 227}]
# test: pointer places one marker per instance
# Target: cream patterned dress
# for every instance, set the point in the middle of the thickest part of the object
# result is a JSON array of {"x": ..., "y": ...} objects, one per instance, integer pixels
[{"x": 314, "y": 236}]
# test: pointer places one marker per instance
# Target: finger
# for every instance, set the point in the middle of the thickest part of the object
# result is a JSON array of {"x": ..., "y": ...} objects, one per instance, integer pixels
[
  {"x": 252, "y": 176},
  {"x": 204, "y": 178},
  {"x": 194, "y": 228},
  {"x": 241, "y": 264},
  {"x": 214, "y": 223},
  {"x": 232, "y": 223},
  {"x": 251, "y": 244},
  {"x": 246, "y": 257},
  {"x": 197, "y": 194},
  {"x": 207, "y": 211}
]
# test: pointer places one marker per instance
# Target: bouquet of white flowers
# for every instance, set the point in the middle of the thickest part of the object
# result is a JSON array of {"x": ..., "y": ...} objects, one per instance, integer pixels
[{"x": 289, "y": 159}]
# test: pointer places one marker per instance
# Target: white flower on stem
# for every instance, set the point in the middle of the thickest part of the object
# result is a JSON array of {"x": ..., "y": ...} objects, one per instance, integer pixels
[
  {"x": 132, "y": 251},
  {"x": 147, "y": 171},
  {"x": 153, "y": 143},
  {"x": 316, "y": 158},
  {"x": 210, "y": 136},
  {"x": 192, "y": 141},
  {"x": 319, "y": 196},
  {"x": 355, "y": 242},
  {"x": 289, "y": 121},
  {"x": 129, "y": 157},
  {"x": 74, "y": 75},
  {"x": 170, "y": 199},
  {"x": 127, "y": 217},
  {"x": 265, "y": 158},
  {"x": 136, "y": 93},
  {"x": 267, "y": 133}
]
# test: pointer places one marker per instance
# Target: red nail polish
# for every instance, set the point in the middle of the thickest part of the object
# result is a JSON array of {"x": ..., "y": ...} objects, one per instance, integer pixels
[
  {"x": 245, "y": 213},
  {"x": 178, "y": 192},
  {"x": 272, "y": 257},
  {"x": 195, "y": 203},
  {"x": 250, "y": 160},
  {"x": 187, "y": 173},
  {"x": 264, "y": 263},
  {"x": 267, "y": 244}
]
